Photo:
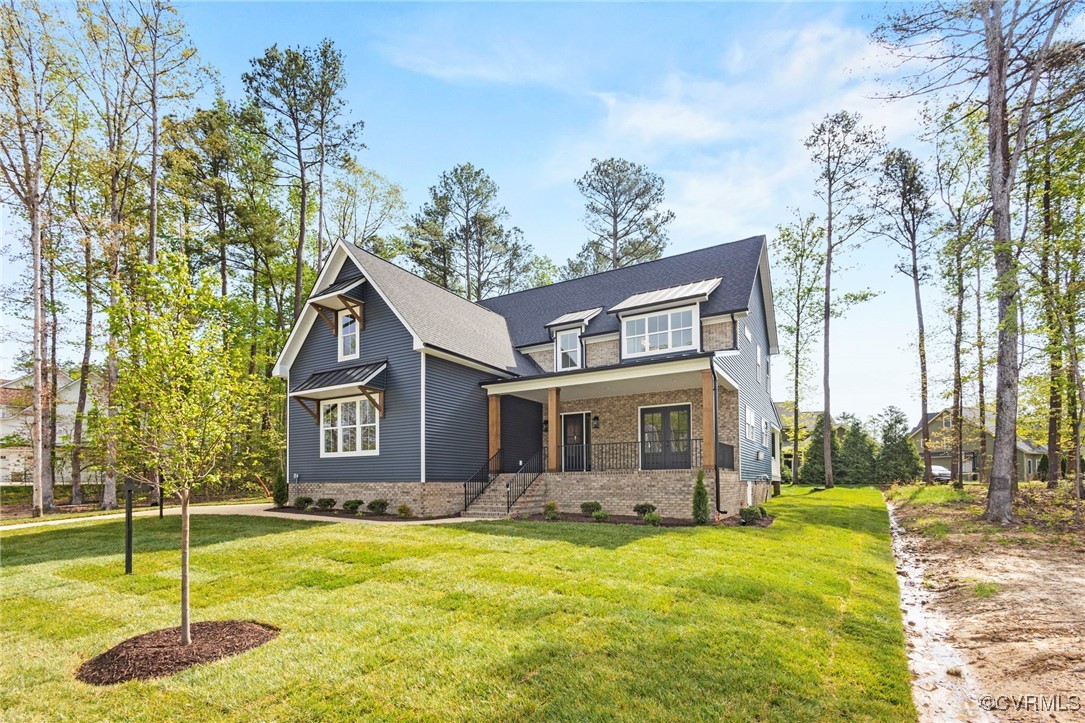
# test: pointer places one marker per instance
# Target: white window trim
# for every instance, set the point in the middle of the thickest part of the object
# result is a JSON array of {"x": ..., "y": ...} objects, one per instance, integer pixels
[
  {"x": 766, "y": 438},
  {"x": 339, "y": 337},
  {"x": 358, "y": 453},
  {"x": 751, "y": 424},
  {"x": 695, "y": 334},
  {"x": 557, "y": 350},
  {"x": 760, "y": 369}
]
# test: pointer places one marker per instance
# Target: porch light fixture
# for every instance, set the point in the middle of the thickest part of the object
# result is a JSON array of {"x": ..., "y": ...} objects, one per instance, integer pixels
[
  {"x": 546, "y": 426},
  {"x": 595, "y": 422}
]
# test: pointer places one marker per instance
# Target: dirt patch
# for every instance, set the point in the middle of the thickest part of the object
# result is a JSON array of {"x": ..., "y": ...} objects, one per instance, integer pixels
[
  {"x": 732, "y": 521},
  {"x": 160, "y": 653},
  {"x": 1011, "y": 598}
]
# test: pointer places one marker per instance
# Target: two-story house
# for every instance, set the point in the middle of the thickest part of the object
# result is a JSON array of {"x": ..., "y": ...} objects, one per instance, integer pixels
[{"x": 617, "y": 387}]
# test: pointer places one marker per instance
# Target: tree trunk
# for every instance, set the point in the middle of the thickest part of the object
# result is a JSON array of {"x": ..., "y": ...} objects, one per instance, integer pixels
[
  {"x": 795, "y": 408},
  {"x": 981, "y": 466},
  {"x": 299, "y": 254},
  {"x": 928, "y": 477},
  {"x": 958, "y": 340},
  {"x": 826, "y": 420},
  {"x": 1050, "y": 280},
  {"x": 186, "y": 628},
  {"x": 152, "y": 199},
  {"x": 999, "y": 493},
  {"x": 84, "y": 377},
  {"x": 37, "y": 425}
]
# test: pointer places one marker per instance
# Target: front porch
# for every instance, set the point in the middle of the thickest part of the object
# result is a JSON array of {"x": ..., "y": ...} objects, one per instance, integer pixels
[{"x": 639, "y": 433}]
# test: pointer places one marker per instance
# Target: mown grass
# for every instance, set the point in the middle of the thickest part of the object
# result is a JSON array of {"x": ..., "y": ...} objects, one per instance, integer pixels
[{"x": 482, "y": 621}]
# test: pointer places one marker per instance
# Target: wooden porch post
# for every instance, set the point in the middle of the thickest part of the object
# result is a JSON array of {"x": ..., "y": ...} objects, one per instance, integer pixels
[
  {"x": 708, "y": 402},
  {"x": 553, "y": 434},
  {"x": 495, "y": 424}
]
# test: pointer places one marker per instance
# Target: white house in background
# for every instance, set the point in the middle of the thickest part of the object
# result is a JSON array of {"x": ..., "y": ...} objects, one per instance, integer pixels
[{"x": 16, "y": 417}]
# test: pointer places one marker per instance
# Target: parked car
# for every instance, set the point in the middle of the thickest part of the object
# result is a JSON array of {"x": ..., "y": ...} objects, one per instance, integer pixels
[{"x": 940, "y": 473}]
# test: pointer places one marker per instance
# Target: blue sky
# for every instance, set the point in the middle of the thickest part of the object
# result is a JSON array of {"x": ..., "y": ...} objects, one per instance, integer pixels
[{"x": 714, "y": 97}]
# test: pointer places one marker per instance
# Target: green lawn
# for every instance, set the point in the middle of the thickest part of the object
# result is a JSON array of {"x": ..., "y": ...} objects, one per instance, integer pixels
[{"x": 485, "y": 621}]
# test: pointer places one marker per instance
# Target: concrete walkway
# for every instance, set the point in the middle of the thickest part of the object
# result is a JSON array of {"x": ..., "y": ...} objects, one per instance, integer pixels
[{"x": 259, "y": 509}]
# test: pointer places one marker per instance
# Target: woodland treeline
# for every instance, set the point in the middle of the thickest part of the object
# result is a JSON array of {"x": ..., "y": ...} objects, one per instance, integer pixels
[
  {"x": 989, "y": 222},
  {"x": 171, "y": 238}
]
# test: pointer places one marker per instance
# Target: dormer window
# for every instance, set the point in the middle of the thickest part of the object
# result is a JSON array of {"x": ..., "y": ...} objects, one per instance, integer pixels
[
  {"x": 567, "y": 354},
  {"x": 659, "y": 332},
  {"x": 348, "y": 336}
]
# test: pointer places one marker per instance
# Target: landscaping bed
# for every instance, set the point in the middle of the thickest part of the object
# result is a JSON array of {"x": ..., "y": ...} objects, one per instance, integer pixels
[
  {"x": 730, "y": 521},
  {"x": 340, "y": 514},
  {"x": 160, "y": 653}
]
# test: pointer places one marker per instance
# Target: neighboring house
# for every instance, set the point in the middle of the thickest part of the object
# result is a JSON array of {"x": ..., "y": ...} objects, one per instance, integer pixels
[
  {"x": 616, "y": 387},
  {"x": 942, "y": 439},
  {"x": 807, "y": 421},
  {"x": 16, "y": 417}
]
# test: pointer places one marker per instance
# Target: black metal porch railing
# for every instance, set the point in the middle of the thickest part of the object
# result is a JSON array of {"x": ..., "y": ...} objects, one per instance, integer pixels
[
  {"x": 481, "y": 479},
  {"x": 609, "y": 456},
  {"x": 516, "y": 485}
]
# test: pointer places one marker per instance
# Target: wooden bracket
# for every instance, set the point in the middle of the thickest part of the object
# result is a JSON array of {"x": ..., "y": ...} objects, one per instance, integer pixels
[
  {"x": 313, "y": 412},
  {"x": 377, "y": 401},
  {"x": 328, "y": 315},
  {"x": 356, "y": 309}
]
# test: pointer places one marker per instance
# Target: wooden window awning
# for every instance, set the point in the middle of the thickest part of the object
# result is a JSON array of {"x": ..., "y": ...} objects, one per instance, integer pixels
[
  {"x": 330, "y": 300},
  {"x": 367, "y": 380}
]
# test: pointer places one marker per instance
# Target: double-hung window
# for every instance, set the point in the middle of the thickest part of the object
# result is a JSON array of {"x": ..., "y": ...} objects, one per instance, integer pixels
[
  {"x": 568, "y": 350},
  {"x": 765, "y": 441},
  {"x": 348, "y": 336},
  {"x": 349, "y": 427},
  {"x": 659, "y": 332},
  {"x": 751, "y": 424}
]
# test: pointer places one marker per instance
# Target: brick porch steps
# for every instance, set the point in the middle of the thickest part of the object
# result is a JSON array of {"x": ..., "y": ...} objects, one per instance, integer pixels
[{"x": 491, "y": 504}]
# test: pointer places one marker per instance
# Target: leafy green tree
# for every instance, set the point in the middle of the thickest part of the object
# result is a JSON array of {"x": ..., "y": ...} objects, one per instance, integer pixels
[
  {"x": 812, "y": 471},
  {"x": 898, "y": 459},
  {"x": 183, "y": 389},
  {"x": 857, "y": 461},
  {"x": 622, "y": 215}
]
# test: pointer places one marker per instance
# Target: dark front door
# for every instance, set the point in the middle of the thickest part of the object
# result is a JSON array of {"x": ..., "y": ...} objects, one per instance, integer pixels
[
  {"x": 575, "y": 441},
  {"x": 665, "y": 438}
]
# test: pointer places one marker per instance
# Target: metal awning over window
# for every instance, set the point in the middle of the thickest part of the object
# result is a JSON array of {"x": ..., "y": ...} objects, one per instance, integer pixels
[
  {"x": 365, "y": 379},
  {"x": 575, "y": 317},
  {"x": 698, "y": 290}
]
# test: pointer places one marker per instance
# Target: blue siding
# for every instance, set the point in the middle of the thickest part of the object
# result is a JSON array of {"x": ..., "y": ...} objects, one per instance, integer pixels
[
  {"x": 742, "y": 367},
  {"x": 457, "y": 420},
  {"x": 384, "y": 337},
  {"x": 521, "y": 431}
]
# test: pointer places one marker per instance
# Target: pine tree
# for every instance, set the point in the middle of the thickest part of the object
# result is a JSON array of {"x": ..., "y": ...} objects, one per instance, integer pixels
[
  {"x": 812, "y": 471},
  {"x": 858, "y": 456},
  {"x": 898, "y": 459}
]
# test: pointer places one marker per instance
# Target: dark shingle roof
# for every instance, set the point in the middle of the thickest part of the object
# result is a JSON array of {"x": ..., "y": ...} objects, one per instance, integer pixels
[
  {"x": 346, "y": 375},
  {"x": 337, "y": 286},
  {"x": 527, "y": 312}
]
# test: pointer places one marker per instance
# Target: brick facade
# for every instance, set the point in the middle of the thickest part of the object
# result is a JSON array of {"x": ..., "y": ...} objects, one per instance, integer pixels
[
  {"x": 426, "y": 499},
  {"x": 671, "y": 491},
  {"x": 543, "y": 357},
  {"x": 601, "y": 353},
  {"x": 717, "y": 335}
]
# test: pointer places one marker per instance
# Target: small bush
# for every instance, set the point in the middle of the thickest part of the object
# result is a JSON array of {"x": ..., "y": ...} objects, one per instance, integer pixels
[
  {"x": 985, "y": 590},
  {"x": 700, "y": 500},
  {"x": 377, "y": 507},
  {"x": 764, "y": 512},
  {"x": 325, "y": 503},
  {"x": 749, "y": 515},
  {"x": 785, "y": 474},
  {"x": 303, "y": 503},
  {"x": 550, "y": 510},
  {"x": 405, "y": 511},
  {"x": 600, "y": 516},
  {"x": 653, "y": 518},
  {"x": 352, "y": 506},
  {"x": 280, "y": 493},
  {"x": 590, "y": 508},
  {"x": 644, "y": 508}
]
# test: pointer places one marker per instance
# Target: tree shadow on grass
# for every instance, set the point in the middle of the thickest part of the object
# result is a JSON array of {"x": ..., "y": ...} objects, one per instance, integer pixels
[
  {"x": 31, "y": 546},
  {"x": 585, "y": 534}
]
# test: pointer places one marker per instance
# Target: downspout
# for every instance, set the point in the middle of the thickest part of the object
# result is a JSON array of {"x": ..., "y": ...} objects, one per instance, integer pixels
[{"x": 716, "y": 437}]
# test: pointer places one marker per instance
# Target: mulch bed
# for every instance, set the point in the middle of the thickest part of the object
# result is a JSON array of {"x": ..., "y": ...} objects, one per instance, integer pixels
[
  {"x": 159, "y": 653},
  {"x": 343, "y": 513},
  {"x": 732, "y": 521}
]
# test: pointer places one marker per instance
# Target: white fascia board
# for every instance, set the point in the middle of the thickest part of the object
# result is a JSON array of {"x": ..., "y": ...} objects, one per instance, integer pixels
[
  {"x": 766, "y": 300},
  {"x": 334, "y": 294},
  {"x": 305, "y": 320},
  {"x": 610, "y": 336},
  {"x": 639, "y": 371}
]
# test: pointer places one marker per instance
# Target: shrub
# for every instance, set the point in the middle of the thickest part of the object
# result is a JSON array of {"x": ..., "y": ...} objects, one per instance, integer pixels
[
  {"x": 590, "y": 508},
  {"x": 352, "y": 506},
  {"x": 325, "y": 503},
  {"x": 377, "y": 507},
  {"x": 600, "y": 515},
  {"x": 404, "y": 511},
  {"x": 280, "y": 493},
  {"x": 700, "y": 500},
  {"x": 644, "y": 508},
  {"x": 652, "y": 518},
  {"x": 785, "y": 474},
  {"x": 764, "y": 512},
  {"x": 749, "y": 515},
  {"x": 550, "y": 510},
  {"x": 302, "y": 503}
]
